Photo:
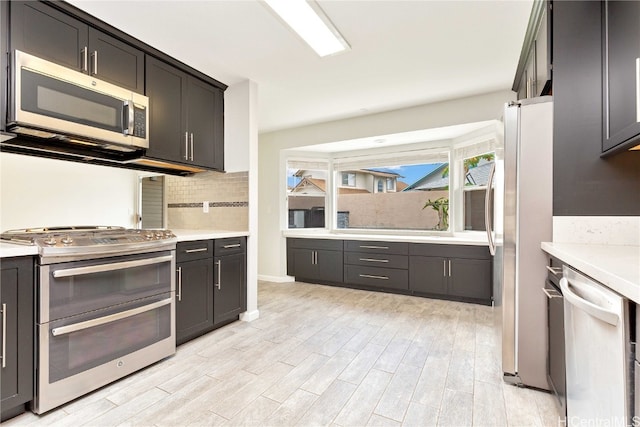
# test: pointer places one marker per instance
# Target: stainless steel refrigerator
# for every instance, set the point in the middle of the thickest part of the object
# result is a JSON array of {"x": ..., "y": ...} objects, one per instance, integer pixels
[{"x": 522, "y": 220}]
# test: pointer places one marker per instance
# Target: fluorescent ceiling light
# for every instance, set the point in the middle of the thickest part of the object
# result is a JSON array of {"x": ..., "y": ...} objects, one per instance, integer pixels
[{"x": 311, "y": 24}]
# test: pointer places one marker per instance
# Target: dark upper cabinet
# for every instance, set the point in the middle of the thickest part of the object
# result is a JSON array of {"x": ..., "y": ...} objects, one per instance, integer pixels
[
  {"x": 621, "y": 79},
  {"x": 16, "y": 335},
  {"x": 186, "y": 117},
  {"x": 50, "y": 34}
]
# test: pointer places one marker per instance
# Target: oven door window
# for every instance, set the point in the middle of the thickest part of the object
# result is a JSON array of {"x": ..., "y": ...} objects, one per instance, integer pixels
[
  {"x": 83, "y": 286},
  {"x": 81, "y": 343},
  {"x": 59, "y": 99}
]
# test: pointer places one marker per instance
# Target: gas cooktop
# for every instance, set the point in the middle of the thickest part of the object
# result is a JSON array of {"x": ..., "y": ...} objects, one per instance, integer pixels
[{"x": 88, "y": 239}]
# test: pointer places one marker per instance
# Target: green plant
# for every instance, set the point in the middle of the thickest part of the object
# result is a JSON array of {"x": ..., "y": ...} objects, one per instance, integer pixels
[{"x": 440, "y": 205}]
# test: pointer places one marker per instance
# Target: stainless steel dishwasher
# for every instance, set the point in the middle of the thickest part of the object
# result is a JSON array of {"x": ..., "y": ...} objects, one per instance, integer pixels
[{"x": 598, "y": 352}]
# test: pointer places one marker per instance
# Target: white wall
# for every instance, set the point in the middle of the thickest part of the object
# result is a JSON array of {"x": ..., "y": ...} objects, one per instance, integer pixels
[
  {"x": 237, "y": 126},
  {"x": 272, "y": 246},
  {"x": 36, "y": 192}
]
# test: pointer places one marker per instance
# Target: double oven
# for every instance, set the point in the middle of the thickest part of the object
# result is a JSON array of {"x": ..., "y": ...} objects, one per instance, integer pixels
[{"x": 105, "y": 308}]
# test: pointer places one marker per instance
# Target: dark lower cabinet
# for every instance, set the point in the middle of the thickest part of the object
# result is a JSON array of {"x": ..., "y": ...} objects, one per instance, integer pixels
[
  {"x": 211, "y": 285},
  {"x": 17, "y": 329},
  {"x": 460, "y": 272},
  {"x": 194, "y": 290},
  {"x": 315, "y": 260},
  {"x": 230, "y": 279}
]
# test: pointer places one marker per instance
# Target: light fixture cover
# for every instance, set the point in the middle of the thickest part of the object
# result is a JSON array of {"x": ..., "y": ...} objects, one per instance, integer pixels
[{"x": 306, "y": 18}]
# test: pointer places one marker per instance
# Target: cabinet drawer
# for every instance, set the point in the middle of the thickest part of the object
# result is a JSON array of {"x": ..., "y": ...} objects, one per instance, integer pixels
[
  {"x": 450, "y": 251},
  {"x": 377, "y": 276},
  {"x": 377, "y": 247},
  {"x": 319, "y": 244},
  {"x": 376, "y": 260},
  {"x": 231, "y": 245},
  {"x": 197, "y": 249}
]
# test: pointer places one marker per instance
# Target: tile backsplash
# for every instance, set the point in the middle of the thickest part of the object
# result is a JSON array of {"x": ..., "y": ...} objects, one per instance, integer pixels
[{"x": 227, "y": 195}]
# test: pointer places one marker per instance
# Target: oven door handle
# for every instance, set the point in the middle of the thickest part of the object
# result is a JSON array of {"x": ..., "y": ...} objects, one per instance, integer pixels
[
  {"x": 110, "y": 267},
  {"x": 63, "y": 330}
]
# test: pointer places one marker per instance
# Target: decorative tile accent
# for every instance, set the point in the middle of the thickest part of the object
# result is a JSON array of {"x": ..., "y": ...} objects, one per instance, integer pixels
[{"x": 211, "y": 205}]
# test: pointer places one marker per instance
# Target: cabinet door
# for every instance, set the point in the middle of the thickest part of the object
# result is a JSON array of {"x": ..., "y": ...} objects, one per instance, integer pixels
[
  {"x": 165, "y": 87},
  {"x": 201, "y": 111},
  {"x": 194, "y": 299},
  {"x": 16, "y": 299},
  {"x": 330, "y": 266},
  {"x": 470, "y": 278},
  {"x": 229, "y": 296},
  {"x": 115, "y": 61},
  {"x": 622, "y": 72},
  {"x": 304, "y": 266},
  {"x": 45, "y": 32},
  {"x": 427, "y": 275}
]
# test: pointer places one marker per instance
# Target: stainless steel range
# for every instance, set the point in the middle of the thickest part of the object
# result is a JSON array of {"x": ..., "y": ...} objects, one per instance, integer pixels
[{"x": 105, "y": 306}]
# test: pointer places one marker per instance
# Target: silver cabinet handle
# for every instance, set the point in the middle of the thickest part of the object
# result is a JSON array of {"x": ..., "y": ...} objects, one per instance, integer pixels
[
  {"x": 94, "y": 56},
  {"x": 444, "y": 267},
  {"x": 186, "y": 145},
  {"x": 373, "y": 260},
  {"x": 313, "y": 258},
  {"x": 4, "y": 335},
  {"x": 190, "y": 251},
  {"x": 179, "y": 284},
  {"x": 551, "y": 293},
  {"x": 556, "y": 271},
  {"x": 63, "y": 330},
  {"x": 449, "y": 268},
  {"x": 638, "y": 89},
  {"x": 191, "y": 141},
  {"x": 219, "y": 264},
  {"x": 85, "y": 62},
  {"x": 370, "y": 276},
  {"x": 237, "y": 245},
  {"x": 111, "y": 267},
  {"x": 374, "y": 247}
]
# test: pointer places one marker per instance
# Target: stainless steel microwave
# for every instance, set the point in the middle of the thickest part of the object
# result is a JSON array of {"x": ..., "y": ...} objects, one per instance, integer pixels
[{"x": 55, "y": 102}]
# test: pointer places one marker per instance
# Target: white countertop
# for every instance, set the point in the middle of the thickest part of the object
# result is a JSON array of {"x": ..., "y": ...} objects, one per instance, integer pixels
[
  {"x": 10, "y": 250},
  {"x": 13, "y": 250},
  {"x": 189, "y": 235},
  {"x": 617, "y": 267},
  {"x": 474, "y": 238}
]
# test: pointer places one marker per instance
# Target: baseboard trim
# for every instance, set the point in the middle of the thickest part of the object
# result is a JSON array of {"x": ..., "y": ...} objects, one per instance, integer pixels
[
  {"x": 249, "y": 316},
  {"x": 276, "y": 279}
]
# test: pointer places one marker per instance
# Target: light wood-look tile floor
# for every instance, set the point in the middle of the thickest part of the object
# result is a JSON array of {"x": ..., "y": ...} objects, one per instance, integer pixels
[{"x": 321, "y": 355}]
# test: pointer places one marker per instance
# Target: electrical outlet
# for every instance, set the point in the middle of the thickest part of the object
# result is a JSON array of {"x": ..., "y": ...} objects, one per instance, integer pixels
[{"x": 205, "y": 207}]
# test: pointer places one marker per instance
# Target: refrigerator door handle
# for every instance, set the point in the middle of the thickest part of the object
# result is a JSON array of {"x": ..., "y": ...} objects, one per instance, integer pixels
[
  {"x": 608, "y": 316},
  {"x": 487, "y": 213}
]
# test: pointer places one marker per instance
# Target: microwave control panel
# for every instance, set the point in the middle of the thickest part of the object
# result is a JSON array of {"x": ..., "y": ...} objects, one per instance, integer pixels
[{"x": 139, "y": 121}]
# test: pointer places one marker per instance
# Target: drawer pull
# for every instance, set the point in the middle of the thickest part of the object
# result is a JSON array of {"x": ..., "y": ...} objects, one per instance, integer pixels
[
  {"x": 370, "y": 276},
  {"x": 4, "y": 335},
  {"x": 556, "y": 271},
  {"x": 374, "y": 260},
  {"x": 374, "y": 247},
  {"x": 551, "y": 293},
  {"x": 237, "y": 245},
  {"x": 190, "y": 251}
]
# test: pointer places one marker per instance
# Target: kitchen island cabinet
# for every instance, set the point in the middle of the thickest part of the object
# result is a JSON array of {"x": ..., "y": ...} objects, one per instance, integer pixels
[
  {"x": 48, "y": 33},
  {"x": 17, "y": 366}
]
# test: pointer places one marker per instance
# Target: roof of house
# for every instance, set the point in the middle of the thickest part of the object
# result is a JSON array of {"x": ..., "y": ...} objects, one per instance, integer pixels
[
  {"x": 305, "y": 182},
  {"x": 434, "y": 180},
  {"x": 401, "y": 185}
]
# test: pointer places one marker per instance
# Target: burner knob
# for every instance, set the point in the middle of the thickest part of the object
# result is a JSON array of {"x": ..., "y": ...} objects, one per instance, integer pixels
[
  {"x": 49, "y": 241},
  {"x": 148, "y": 235},
  {"x": 67, "y": 240}
]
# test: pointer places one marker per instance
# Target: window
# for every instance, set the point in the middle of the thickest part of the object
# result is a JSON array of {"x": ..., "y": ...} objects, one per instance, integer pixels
[
  {"x": 348, "y": 179},
  {"x": 396, "y": 196},
  {"x": 475, "y": 172},
  {"x": 306, "y": 194}
]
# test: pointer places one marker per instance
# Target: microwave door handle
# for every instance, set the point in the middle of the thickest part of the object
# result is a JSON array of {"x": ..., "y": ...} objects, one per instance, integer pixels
[{"x": 129, "y": 117}]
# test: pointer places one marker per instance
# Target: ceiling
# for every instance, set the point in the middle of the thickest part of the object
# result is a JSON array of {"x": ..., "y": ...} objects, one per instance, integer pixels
[{"x": 403, "y": 53}]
